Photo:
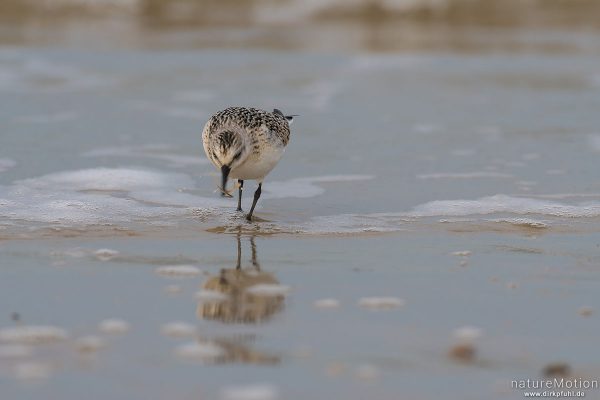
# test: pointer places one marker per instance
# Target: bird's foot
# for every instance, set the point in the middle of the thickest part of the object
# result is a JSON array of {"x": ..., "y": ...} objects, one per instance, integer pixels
[{"x": 224, "y": 192}]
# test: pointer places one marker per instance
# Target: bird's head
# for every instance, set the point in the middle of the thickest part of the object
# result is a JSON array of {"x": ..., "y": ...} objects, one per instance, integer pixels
[{"x": 229, "y": 152}]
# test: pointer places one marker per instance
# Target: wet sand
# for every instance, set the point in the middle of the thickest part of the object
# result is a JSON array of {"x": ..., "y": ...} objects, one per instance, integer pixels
[{"x": 433, "y": 227}]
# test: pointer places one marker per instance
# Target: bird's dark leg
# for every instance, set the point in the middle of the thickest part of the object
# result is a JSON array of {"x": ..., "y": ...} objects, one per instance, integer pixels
[
  {"x": 224, "y": 175},
  {"x": 256, "y": 197},
  {"x": 239, "y": 249},
  {"x": 254, "y": 257},
  {"x": 241, "y": 183}
]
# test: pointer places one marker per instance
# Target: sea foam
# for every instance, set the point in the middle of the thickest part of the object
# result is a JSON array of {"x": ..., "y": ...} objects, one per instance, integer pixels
[
  {"x": 117, "y": 195},
  {"x": 91, "y": 196},
  {"x": 124, "y": 196},
  {"x": 504, "y": 204}
]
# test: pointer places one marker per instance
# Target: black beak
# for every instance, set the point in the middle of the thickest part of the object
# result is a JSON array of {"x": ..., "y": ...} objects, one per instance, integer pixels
[
  {"x": 290, "y": 118},
  {"x": 224, "y": 175}
]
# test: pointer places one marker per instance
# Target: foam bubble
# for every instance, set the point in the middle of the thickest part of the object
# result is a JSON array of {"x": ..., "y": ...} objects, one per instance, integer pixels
[
  {"x": 381, "y": 303},
  {"x": 105, "y": 254},
  {"x": 467, "y": 333},
  {"x": 525, "y": 222},
  {"x": 462, "y": 253},
  {"x": 33, "y": 334},
  {"x": 178, "y": 271},
  {"x": 250, "y": 392},
  {"x": 114, "y": 326},
  {"x": 327, "y": 303}
]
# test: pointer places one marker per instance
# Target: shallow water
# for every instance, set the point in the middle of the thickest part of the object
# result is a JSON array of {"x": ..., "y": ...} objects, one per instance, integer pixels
[{"x": 460, "y": 187}]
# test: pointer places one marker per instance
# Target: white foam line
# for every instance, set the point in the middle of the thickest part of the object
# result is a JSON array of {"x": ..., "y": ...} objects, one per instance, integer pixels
[
  {"x": 504, "y": 204},
  {"x": 531, "y": 223},
  {"x": 397, "y": 221},
  {"x": 117, "y": 195},
  {"x": 123, "y": 195}
]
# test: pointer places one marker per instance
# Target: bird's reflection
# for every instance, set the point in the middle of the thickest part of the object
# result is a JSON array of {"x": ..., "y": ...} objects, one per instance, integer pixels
[
  {"x": 239, "y": 350},
  {"x": 242, "y": 294}
]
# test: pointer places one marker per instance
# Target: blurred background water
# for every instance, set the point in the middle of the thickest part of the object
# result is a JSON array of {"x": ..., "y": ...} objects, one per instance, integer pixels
[{"x": 433, "y": 228}]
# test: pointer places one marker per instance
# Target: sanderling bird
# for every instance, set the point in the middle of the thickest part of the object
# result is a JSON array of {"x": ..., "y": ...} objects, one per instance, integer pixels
[{"x": 246, "y": 143}]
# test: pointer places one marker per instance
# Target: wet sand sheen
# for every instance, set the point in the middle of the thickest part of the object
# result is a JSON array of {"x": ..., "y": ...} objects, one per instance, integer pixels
[{"x": 450, "y": 231}]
